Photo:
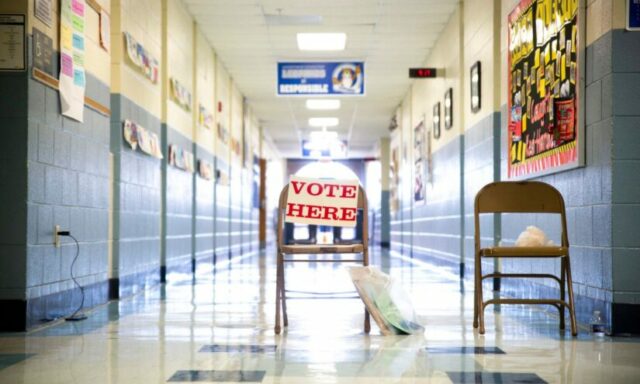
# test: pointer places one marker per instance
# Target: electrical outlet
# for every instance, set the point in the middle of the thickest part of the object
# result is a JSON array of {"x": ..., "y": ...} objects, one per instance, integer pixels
[{"x": 56, "y": 237}]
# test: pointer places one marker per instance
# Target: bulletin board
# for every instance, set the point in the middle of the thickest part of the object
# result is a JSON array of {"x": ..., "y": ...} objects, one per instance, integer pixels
[{"x": 545, "y": 131}]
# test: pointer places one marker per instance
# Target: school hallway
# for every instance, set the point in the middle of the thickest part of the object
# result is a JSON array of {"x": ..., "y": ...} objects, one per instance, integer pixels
[{"x": 221, "y": 320}]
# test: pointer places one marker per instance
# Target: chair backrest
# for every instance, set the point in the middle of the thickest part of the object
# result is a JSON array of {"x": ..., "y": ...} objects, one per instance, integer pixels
[
  {"x": 362, "y": 209},
  {"x": 519, "y": 197}
]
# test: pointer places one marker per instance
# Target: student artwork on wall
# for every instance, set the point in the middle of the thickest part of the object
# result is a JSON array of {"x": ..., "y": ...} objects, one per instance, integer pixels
[
  {"x": 222, "y": 177},
  {"x": 448, "y": 109},
  {"x": 394, "y": 169},
  {"x": 140, "y": 58},
  {"x": 223, "y": 134},
  {"x": 235, "y": 146},
  {"x": 419, "y": 187},
  {"x": 179, "y": 94},
  {"x": 205, "y": 169},
  {"x": 475, "y": 80},
  {"x": 72, "y": 80},
  {"x": 180, "y": 158},
  {"x": 205, "y": 118},
  {"x": 138, "y": 137},
  {"x": 543, "y": 89}
]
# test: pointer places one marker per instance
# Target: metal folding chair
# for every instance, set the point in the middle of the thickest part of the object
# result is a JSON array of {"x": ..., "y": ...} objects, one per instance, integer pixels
[
  {"x": 283, "y": 250},
  {"x": 522, "y": 197}
]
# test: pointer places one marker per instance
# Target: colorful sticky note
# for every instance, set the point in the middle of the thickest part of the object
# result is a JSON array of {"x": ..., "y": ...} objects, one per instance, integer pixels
[
  {"x": 66, "y": 37},
  {"x": 563, "y": 67},
  {"x": 547, "y": 55},
  {"x": 78, "y": 59},
  {"x": 78, "y": 23},
  {"x": 542, "y": 87},
  {"x": 78, "y": 77},
  {"x": 66, "y": 65},
  {"x": 536, "y": 62},
  {"x": 524, "y": 122},
  {"x": 78, "y": 7},
  {"x": 78, "y": 41}
]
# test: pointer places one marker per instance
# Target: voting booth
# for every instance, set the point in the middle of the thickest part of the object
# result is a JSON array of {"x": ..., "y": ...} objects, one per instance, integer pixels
[{"x": 336, "y": 203}]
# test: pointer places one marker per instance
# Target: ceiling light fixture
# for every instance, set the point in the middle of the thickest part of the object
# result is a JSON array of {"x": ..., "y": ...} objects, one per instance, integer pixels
[
  {"x": 323, "y": 104},
  {"x": 323, "y": 135},
  {"x": 323, "y": 121},
  {"x": 322, "y": 41}
]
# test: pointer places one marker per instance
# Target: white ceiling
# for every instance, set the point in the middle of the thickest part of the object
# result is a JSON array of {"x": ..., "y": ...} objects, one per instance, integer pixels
[{"x": 389, "y": 35}]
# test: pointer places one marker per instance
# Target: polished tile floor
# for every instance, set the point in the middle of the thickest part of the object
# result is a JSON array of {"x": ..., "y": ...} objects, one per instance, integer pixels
[{"x": 218, "y": 327}]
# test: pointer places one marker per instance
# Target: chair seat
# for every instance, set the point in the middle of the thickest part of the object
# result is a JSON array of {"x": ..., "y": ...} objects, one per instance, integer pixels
[
  {"x": 524, "y": 251},
  {"x": 322, "y": 248}
]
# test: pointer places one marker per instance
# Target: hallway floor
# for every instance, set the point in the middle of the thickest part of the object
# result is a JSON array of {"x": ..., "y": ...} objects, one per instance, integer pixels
[{"x": 219, "y": 328}]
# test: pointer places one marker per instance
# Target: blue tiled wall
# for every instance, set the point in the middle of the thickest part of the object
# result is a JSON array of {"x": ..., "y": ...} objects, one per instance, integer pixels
[
  {"x": 14, "y": 223},
  {"x": 222, "y": 212},
  {"x": 178, "y": 202},
  {"x": 204, "y": 247},
  {"x": 68, "y": 177},
  {"x": 481, "y": 167},
  {"x": 136, "y": 203},
  {"x": 437, "y": 223},
  {"x": 235, "y": 211},
  {"x": 625, "y": 194}
]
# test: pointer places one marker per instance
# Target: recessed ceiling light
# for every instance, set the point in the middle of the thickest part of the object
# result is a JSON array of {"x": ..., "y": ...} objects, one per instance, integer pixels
[
  {"x": 323, "y": 104},
  {"x": 322, "y": 41},
  {"x": 323, "y": 121}
]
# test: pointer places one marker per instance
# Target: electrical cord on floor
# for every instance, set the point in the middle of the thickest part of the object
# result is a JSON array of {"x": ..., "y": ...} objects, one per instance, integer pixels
[{"x": 75, "y": 316}]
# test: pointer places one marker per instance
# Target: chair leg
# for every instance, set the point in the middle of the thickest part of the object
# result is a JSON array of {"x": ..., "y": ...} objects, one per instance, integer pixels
[
  {"x": 285, "y": 316},
  {"x": 572, "y": 312},
  {"x": 278, "y": 293},
  {"x": 480, "y": 295},
  {"x": 475, "y": 295},
  {"x": 367, "y": 320},
  {"x": 562, "y": 292}
]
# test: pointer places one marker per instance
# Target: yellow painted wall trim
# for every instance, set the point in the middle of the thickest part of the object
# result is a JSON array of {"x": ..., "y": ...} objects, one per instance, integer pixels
[{"x": 53, "y": 83}]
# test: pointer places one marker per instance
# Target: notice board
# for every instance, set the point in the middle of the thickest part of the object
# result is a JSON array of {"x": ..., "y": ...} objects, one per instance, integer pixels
[{"x": 544, "y": 131}]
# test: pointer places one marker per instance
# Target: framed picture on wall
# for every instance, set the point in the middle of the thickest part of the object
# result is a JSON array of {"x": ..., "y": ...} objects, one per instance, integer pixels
[
  {"x": 436, "y": 120},
  {"x": 448, "y": 108},
  {"x": 475, "y": 86}
]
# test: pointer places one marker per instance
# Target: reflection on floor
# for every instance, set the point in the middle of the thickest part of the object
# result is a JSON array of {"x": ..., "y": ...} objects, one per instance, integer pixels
[{"x": 218, "y": 327}]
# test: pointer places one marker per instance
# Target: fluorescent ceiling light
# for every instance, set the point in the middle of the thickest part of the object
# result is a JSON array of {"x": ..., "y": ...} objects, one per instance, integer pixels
[
  {"x": 322, "y": 41},
  {"x": 323, "y": 121},
  {"x": 323, "y": 135},
  {"x": 323, "y": 104}
]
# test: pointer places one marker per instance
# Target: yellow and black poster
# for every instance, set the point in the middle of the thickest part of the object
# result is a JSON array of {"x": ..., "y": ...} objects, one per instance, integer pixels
[{"x": 543, "y": 87}]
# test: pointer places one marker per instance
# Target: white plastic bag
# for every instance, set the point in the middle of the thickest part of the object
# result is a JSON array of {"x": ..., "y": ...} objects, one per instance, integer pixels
[
  {"x": 533, "y": 237},
  {"x": 387, "y": 298}
]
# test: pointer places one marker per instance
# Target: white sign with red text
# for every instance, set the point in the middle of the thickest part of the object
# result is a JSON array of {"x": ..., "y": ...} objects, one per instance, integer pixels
[{"x": 322, "y": 202}]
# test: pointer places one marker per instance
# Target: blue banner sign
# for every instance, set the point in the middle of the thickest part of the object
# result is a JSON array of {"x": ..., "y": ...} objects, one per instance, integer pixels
[
  {"x": 315, "y": 79},
  {"x": 633, "y": 15}
]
